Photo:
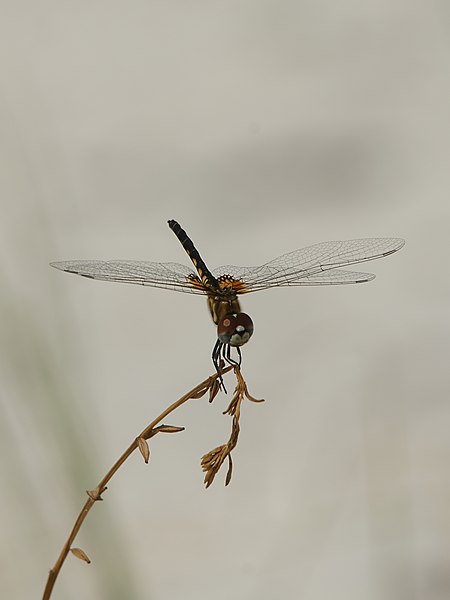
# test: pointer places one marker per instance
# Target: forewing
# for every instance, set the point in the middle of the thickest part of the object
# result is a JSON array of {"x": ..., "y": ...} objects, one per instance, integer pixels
[
  {"x": 168, "y": 276},
  {"x": 314, "y": 265}
]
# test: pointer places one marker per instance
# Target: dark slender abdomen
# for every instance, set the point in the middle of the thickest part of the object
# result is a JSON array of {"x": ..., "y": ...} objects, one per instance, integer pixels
[{"x": 205, "y": 275}]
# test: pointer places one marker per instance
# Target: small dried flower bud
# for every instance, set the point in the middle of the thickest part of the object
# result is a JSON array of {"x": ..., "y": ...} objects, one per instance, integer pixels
[
  {"x": 230, "y": 470},
  {"x": 170, "y": 429},
  {"x": 214, "y": 389},
  {"x": 144, "y": 449},
  {"x": 95, "y": 494},
  {"x": 81, "y": 554}
]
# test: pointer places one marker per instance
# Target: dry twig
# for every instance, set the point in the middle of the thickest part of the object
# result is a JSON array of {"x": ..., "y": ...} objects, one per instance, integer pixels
[{"x": 211, "y": 462}]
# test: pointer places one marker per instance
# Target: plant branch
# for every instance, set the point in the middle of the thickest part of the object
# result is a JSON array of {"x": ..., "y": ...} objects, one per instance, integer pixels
[
  {"x": 213, "y": 460},
  {"x": 211, "y": 384}
]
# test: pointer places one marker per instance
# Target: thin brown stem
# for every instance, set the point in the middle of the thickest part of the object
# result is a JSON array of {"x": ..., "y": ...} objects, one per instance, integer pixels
[
  {"x": 213, "y": 460},
  {"x": 95, "y": 494}
]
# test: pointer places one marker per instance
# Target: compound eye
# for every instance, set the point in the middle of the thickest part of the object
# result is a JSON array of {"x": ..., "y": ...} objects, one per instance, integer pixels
[{"x": 235, "y": 330}]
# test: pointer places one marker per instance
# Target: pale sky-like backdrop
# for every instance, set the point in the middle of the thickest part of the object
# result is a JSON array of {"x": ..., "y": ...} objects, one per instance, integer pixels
[{"x": 261, "y": 127}]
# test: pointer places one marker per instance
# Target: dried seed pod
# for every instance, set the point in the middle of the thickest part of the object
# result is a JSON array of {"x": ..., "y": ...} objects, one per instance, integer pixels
[
  {"x": 96, "y": 494},
  {"x": 230, "y": 470},
  {"x": 143, "y": 448},
  {"x": 169, "y": 429},
  {"x": 81, "y": 554},
  {"x": 214, "y": 389}
]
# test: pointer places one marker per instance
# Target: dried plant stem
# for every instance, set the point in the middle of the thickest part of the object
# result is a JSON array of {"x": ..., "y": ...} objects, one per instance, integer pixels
[
  {"x": 213, "y": 460},
  {"x": 94, "y": 495}
]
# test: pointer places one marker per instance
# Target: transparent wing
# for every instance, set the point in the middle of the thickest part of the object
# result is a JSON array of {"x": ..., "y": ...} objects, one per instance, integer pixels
[
  {"x": 314, "y": 265},
  {"x": 168, "y": 276}
]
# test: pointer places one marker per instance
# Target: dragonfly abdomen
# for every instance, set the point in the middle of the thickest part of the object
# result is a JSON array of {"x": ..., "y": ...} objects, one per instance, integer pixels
[{"x": 208, "y": 280}]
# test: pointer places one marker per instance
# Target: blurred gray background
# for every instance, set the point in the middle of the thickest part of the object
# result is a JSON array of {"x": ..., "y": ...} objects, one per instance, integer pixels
[{"x": 261, "y": 127}]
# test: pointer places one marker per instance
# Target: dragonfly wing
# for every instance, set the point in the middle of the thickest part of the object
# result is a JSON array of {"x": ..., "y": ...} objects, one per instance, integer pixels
[
  {"x": 307, "y": 266},
  {"x": 168, "y": 276},
  {"x": 334, "y": 277}
]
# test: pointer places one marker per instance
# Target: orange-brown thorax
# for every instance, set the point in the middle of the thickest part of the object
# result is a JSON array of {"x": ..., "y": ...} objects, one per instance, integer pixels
[
  {"x": 220, "y": 306},
  {"x": 227, "y": 302},
  {"x": 224, "y": 302}
]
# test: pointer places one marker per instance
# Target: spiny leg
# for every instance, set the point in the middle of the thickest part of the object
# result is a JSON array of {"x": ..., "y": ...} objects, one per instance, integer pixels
[
  {"x": 216, "y": 358},
  {"x": 227, "y": 356},
  {"x": 238, "y": 350},
  {"x": 223, "y": 351}
]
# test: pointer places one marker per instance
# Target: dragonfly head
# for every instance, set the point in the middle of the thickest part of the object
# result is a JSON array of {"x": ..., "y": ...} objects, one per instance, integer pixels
[{"x": 235, "y": 329}]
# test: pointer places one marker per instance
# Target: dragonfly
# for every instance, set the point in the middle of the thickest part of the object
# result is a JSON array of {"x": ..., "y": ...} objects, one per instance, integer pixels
[{"x": 320, "y": 264}]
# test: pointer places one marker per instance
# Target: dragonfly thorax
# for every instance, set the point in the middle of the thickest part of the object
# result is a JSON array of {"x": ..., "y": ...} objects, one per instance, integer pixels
[
  {"x": 235, "y": 329},
  {"x": 220, "y": 306}
]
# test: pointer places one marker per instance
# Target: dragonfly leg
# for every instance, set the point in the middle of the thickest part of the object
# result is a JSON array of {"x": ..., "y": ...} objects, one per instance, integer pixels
[
  {"x": 222, "y": 351},
  {"x": 217, "y": 353},
  {"x": 227, "y": 356}
]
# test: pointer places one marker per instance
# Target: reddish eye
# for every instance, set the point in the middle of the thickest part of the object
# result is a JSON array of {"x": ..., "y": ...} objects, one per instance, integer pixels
[{"x": 235, "y": 330}]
